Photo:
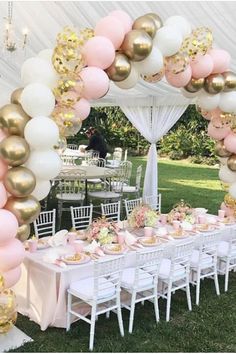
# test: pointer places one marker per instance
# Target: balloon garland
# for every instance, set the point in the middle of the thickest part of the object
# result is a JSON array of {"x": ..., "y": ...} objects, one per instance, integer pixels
[{"x": 57, "y": 86}]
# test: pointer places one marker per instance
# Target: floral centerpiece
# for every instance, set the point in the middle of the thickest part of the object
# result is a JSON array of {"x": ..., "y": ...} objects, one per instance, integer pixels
[
  {"x": 102, "y": 231},
  {"x": 182, "y": 212},
  {"x": 141, "y": 216}
]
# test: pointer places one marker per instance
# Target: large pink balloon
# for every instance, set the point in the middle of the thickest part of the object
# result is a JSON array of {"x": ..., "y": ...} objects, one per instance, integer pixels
[
  {"x": 82, "y": 108},
  {"x": 3, "y": 169},
  {"x": 2, "y": 135},
  {"x": 202, "y": 66},
  {"x": 124, "y": 18},
  {"x": 11, "y": 277},
  {"x": 228, "y": 211},
  {"x": 96, "y": 82},
  {"x": 230, "y": 142},
  {"x": 221, "y": 60},
  {"x": 215, "y": 113},
  {"x": 181, "y": 79},
  {"x": 3, "y": 195},
  {"x": 99, "y": 51},
  {"x": 8, "y": 226},
  {"x": 217, "y": 133},
  {"x": 11, "y": 255},
  {"x": 112, "y": 29}
]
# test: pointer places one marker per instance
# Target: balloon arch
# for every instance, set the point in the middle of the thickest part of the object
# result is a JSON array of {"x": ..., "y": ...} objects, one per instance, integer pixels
[{"x": 57, "y": 86}]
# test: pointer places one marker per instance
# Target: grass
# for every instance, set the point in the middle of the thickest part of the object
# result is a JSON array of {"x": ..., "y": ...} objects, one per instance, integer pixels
[{"x": 210, "y": 327}]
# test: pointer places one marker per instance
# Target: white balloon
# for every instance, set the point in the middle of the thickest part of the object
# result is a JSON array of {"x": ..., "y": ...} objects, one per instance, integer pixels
[
  {"x": 41, "y": 189},
  {"x": 207, "y": 101},
  {"x": 168, "y": 39},
  {"x": 223, "y": 160},
  {"x": 180, "y": 23},
  {"x": 45, "y": 164},
  {"x": 38, "y": 70},
  {"x": 228, "y": 102},
  {"x": 226, "y": 175},
  {"x": 232, "y": 190},
  {"x": 41, "y": 133},
  {"x": 131, "y": 80},
  {"x": 37, "y": 100},
  {"x": 46, "y": 54},
  {"x": 152, "y": 64}
]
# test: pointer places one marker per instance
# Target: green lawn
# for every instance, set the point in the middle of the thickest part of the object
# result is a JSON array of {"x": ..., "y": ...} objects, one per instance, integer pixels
[{"x": 208, "y": 328}]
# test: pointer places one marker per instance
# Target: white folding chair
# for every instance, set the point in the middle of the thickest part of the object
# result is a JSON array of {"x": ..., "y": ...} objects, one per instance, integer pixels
[
  {"x": 134, "y": 189},
  {"x": 226, "y": 254},
  {"x": 131, "y": 204},
  {"x": 101, "y": 292},
  {"x": 154, "y": 201},
  {"x": 45, "y": 224},
  {"x": 203, "y": 262},
  {"x": 111, "y": 211},
  {"x": 72, "y": 146},
  {"x": 81, "y": 217},
  {"x": 174, "y": 274},
  {"x": 141, "y": 281}
]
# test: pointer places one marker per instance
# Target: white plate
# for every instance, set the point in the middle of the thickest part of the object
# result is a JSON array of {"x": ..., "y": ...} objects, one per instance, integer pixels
[
  {"x": 84, "y": 259},
  {"x": 155, "y": 242},
  {"x": 111, "y": 249}
]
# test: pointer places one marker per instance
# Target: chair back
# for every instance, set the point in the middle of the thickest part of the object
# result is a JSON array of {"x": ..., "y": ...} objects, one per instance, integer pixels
[
  {"x": 117, "y": 154},
  {"x": 111, "y": 211},
  {"x": 71, "y": 185},
  {"x": 45, "y": 223},
  {"x": 81, "y": 217},
  {"x": 95, "y": 154},
  {"x": 97, "y": 162},
  {"x": 154, "y": 201},
  {"x": 209, "y": 242},
  {"x": 68, "y": 160},
  {"x": 72, "y": 146},
  {"x": 131, "y": 204},
  {"x": 182, "y": 251},
  {"x": 125, "y": 170}
]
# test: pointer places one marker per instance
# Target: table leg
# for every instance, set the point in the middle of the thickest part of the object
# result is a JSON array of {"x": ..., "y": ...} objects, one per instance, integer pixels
[{"x": 86, "y": 192}]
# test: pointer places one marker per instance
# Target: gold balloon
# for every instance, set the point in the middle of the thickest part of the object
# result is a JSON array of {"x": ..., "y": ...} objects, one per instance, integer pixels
[
  {"x": 177, "y": 63},
  {"x": 194, "y": 85},
  {"x": 19, "y": 181},
  {"x": 68, "y": 37},
  {"x": 14, "y": 150},
  {"x": 155, "y": 77},
  {"x": 214, "y": 83},
  {"x": 199, "y": 41},
  {"x": 229, "y": 201},
  {"x": 231, "y": 162},
  {"x": 25, "y": 209},
  {"x": 145, "y": 23},
  {"x": 13, "y": 119},
  {"x": 8, "y": 313},
  {"x": 16, "y": 95},
  {"x": 120, "y": 68},
  {"x": 230, "y": 81},
  {"x": 220, "y": 149},
  {"x": 156, "y": 19},
  {"x": 23, "y": 232},
  {"x": 137, "y": 45}
]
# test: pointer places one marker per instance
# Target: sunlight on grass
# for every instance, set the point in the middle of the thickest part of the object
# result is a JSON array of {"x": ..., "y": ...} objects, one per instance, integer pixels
[{"x": 206, "y": 184}]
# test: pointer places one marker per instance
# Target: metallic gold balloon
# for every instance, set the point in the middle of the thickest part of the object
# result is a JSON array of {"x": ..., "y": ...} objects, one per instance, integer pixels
[
  {"x": 14, "y": 150},
  {"x": 214, "y": 83},
  {"x": 16, "y": 95},
  {"x": 220, "y": 149},
  {"x": 147, "y": 24},
  {"x": 230, "y": 81},
  {"x": 25, "y": 209},
  {"x": 177, "y": 63},
  {"x": 231, "y": 162},
  {"x": 23, "y": 232},
  {"x": 156, "y": 19},
  {"x": 2, "y": 282},
  {"x": 19, "y": 181},
  {"x": 155, "y": 77},
  {"x": 137, "y": 45},
  {"x": 8, "y": 312},
  {"x": 120, "y": 68},
  {"x": 13, "y": 119},
  {"x": 194, "y": 85}
]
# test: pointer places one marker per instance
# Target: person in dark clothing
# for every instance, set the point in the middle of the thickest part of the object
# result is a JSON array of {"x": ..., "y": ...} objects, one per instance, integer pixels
[{"x": 96, "y": 142}]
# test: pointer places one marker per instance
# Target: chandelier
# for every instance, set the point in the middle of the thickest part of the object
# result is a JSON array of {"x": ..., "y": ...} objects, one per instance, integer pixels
[{"x": 10, "y": 42}]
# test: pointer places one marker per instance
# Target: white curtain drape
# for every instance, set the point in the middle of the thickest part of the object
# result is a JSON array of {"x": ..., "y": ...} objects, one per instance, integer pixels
[{"x": 153, "y": 123}]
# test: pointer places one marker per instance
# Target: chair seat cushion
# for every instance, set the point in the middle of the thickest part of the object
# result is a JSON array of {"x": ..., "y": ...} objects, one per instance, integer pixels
[
  {"x": 70, "y": 196},
  {"x": 165, "y": 269},
  {"x": 223, "y": 249},
  {"x": 206, "y": 261},
  {"x": 104, "y": 195},
  {"x": 129, "y": 189},
  {"x": 128, "y": 278},
  {"x": 84, "y": 289}
]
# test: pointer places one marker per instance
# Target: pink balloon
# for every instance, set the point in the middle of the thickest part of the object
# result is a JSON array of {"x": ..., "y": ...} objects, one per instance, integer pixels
[
  {"x": 11, "y": 255},
  {"x": 3, "y": 135},
  {"x": 217, "y": 133},
  {"x": 221, "y": 60},
  {"x": 82, "y": 108},
  {"x": 181, "y": 79},
  {"x": 3, "y": 169},
  {"x": 99, "y": 51},
  {"x": 11, "y": 277},
  {"x": 230, "y": 142},
  {"x": 8, "y": 226},
  {"x": 228, "y": 211},
  {"x": 112, "y": 29},
  {"x": 124, "y": 18},
  {"x": 202, "y": 66},
  {"x": 96, "y": 82},
  {"x": 3, "y": 195}
]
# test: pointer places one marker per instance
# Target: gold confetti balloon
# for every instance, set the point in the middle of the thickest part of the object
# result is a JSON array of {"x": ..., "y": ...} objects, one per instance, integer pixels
[
  {"x": 68, "y": 37},
  {"x": 155, "y": 77},
  {"x": 177, "y": 63},
  {"x": 8, "y": 312},
  {"x": 199, "y": 42},
  {"x": 229, "y": 201}
]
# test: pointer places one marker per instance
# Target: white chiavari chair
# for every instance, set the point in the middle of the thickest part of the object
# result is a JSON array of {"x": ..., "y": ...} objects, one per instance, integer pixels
[
  {"x": 101, "y": 292},
  {"x": 125, "y": 169},
  {"x": 134, "y": 189},
  {"x": 95, "y": 182},
  {"x": 131, "y": 204},
  {"x": 68, "y": 160},
  {"x": 45, "y": 224},
  {"x": 72, "y": 146},
  {"x": 111, "y": 211},
  {"x": 81, "y": 217},
  {"x": 226, "y": 254},
  {"x": 154, "y": 201}
]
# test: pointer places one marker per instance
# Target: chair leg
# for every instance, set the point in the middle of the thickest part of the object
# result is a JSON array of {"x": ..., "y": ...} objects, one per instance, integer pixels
[
  {"x": 168, "y": 302},
  {"x": 119, "y": 315},
  {"x": 60, "y": 205},
  {"x": 188, "y": 297},
  {"x": 69, "y": 301},
  {"x": 216, "y": 281},
  {"x": 226, "y": 275},
  {"x": 92, "y": 327},
  {"x": 156, "y": 307},
  {"x": 131, "y": 317},
  {"x": 198, "y": 287}
]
